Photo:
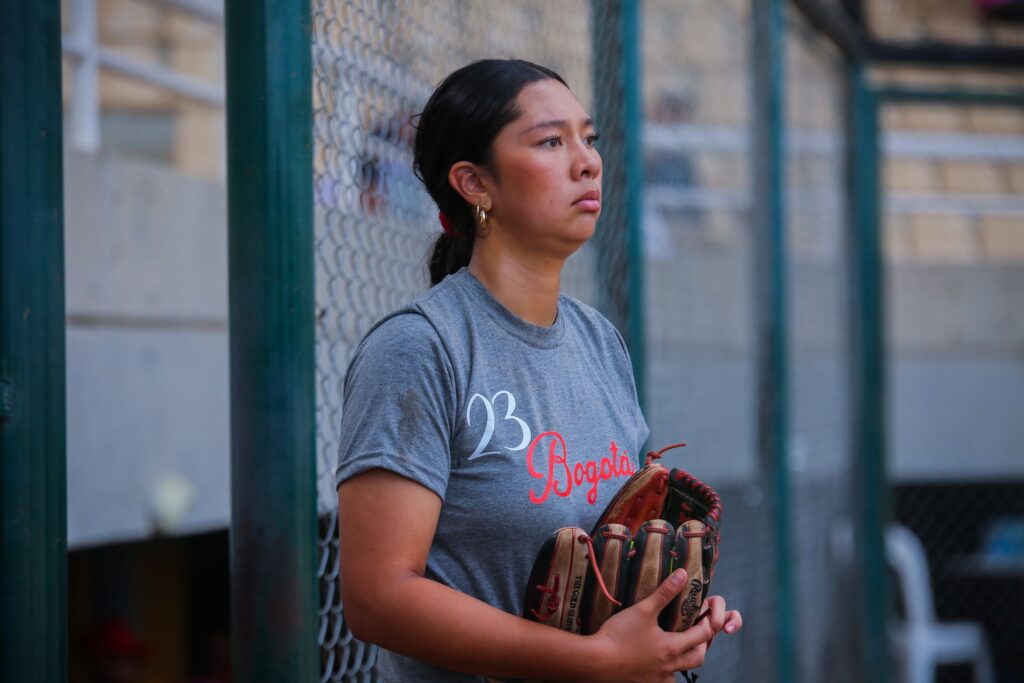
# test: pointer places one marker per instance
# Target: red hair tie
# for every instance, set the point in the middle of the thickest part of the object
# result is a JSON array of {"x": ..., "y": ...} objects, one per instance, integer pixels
[{"x": 446, "y": 224}]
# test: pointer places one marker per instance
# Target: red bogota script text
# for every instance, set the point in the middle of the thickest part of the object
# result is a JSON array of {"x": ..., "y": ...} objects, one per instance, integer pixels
[{"x": 560, "y": 476}]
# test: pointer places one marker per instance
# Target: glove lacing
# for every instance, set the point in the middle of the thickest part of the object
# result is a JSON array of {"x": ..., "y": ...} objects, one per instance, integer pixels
[
  {"x": 654, "y": 455},
  {"x": 553, "y": 591},
  {"x": 597, "y": 571}
]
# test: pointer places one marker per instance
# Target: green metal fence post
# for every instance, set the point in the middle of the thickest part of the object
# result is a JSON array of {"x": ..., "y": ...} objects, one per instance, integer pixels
[
  {"x": 633, "y": 143},
  {"x": 619, "y": 114},
  {"x": 33, "y": 488},
  {"x": 273, "y": 425},
  {"x": 769, "y": 33},
  {"x": 867, "y": 375}
]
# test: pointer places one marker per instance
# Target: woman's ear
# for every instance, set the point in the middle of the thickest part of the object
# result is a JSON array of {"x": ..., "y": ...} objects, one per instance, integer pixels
[{"x": 468, "y": 180}]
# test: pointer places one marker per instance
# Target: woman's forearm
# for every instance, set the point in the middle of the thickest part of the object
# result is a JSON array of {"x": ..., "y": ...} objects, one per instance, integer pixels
[{"x": 428, "y": 621}]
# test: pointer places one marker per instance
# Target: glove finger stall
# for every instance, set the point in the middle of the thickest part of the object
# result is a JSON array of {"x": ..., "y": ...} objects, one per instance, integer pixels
[
  {"x": 611, "y": 551},
  {"x": 688, "y": 553},
  {"x": 555, "y": 588},
  {"x": 650, "y": 562}
]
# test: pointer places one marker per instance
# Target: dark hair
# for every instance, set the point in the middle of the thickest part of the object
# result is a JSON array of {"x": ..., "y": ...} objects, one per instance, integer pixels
[{"x": 459, "y": 123}]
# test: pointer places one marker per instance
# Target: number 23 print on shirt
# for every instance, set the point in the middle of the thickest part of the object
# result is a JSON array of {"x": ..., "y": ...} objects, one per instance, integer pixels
[{"x": 547, "y": 454}]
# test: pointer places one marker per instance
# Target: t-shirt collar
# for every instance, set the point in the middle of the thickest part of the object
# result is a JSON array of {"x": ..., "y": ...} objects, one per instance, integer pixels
[{"x": 535, "y": 335}]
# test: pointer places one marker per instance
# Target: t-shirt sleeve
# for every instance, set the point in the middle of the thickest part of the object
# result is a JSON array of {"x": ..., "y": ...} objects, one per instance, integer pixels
[{"x": 398, "y": 405}]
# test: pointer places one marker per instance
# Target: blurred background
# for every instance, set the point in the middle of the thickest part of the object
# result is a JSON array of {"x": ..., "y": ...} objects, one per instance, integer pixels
[{"x": 813, "y": 243}]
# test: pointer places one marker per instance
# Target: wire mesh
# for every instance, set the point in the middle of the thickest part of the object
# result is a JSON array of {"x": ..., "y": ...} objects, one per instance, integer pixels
[
  {"x": 819, "y": 456},
  {"x": 954, "y": 254},
  {"x": 699, "y": 266},
  {"x": 375, "y": 63}
]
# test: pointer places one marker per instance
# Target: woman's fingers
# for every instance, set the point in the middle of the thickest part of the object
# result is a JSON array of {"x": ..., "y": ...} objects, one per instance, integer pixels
[
  {"x": 635, "y": 632},
  {"x": 695, "y": 641},
  {"x": 697, "y": 635},
  {"x": 733, "y": 621},
  {"x": 692, "y": 658},
  {"x": 667, "y": 590},
  {"x": 716, "y": 612}
]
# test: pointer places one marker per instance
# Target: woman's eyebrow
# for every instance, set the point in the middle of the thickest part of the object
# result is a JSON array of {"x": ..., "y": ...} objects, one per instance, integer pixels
[{"x": 557, "y": 123}]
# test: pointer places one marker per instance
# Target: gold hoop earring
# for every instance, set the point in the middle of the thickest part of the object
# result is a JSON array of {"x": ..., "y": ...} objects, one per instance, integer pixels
[{"x": 481, "y": 217}]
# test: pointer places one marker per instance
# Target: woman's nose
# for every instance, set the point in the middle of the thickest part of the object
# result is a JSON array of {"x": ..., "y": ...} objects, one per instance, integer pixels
[{"x": 587, "y": 163}]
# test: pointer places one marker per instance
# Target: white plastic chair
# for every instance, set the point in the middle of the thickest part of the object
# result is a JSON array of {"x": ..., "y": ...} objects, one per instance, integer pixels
[{"x": 921, "y": 641}]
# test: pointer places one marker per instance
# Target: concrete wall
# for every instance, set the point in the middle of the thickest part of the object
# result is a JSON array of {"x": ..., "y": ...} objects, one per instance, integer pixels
[
  {"x": 147, "y": 351},
  {"x": 956, "y": 366},
  {"x": 957, "y": 378}
]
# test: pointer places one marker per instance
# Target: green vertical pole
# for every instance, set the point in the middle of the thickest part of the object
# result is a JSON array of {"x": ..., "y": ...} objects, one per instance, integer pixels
[
  {"x": 773, "y": 384},
  {"x": 867, "y": 375},
  {"x": 33, "y": 503},
  {"x": 618, "y": 105},
  {"x": 634, "y": 158},
  {"x": 270, "y": 248}
]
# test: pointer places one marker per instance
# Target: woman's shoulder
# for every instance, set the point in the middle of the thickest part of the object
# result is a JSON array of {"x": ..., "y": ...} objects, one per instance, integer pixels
[
  {"x": 412, "y": 335},
  {"x": 589, "y": 320},
  {"x": 411, "y": 324},
  {"x": 401, "y": 347},
  {"x": 577, "y": 307},
  {"x": 399, "y": 333}
]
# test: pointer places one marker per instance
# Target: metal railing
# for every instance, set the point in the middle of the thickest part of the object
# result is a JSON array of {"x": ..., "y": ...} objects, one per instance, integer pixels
[{"x": 81, "y": 44}]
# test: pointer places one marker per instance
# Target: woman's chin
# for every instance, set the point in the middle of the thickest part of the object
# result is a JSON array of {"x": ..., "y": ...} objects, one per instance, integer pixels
[
  {"x": 571, "y": 240},
  {"x": 583, "y": 228}
]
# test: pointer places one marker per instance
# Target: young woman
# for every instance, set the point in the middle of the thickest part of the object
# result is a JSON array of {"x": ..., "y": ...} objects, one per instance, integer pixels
[{"x": 493, "y": 410}]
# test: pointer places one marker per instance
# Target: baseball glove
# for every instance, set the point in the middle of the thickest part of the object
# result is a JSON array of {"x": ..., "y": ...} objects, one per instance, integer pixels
[{"x": 657, "y": 522}]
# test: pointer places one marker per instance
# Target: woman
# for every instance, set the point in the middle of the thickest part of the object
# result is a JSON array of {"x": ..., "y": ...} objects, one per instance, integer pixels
[{"x": 493, "y": 410}]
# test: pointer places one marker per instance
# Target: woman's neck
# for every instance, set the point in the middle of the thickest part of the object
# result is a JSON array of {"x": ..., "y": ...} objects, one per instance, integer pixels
[{"x": 527, "y": 288}]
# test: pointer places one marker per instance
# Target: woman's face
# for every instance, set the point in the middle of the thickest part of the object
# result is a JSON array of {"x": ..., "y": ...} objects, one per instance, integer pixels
[{"x": 546, "y": 192}]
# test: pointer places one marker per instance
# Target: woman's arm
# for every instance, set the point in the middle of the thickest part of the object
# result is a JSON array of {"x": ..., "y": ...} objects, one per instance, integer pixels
[{"x": 386, "y": 526}]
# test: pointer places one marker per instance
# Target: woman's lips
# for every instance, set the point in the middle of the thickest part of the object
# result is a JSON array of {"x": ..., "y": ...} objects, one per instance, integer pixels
[{"x": 590, "y": 201}]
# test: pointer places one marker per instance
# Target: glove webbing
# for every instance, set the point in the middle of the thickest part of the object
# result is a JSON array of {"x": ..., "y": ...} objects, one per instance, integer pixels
[{"x": 681, "y": 484}]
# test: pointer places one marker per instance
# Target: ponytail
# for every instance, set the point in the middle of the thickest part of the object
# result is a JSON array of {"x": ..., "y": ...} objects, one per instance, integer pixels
[{"x": 449, "y": 254}]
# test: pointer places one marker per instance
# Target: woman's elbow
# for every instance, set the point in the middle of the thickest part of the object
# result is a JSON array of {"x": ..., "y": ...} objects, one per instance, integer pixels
[
  {"x": 376, "y": 609},
  {"x": 360, "y": 625},
  {"x": 361, "y": 617}
]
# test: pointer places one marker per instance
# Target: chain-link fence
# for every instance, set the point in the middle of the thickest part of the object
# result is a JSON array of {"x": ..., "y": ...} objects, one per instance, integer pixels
[
  {"x": 954, "y": 226},
  {"x": 819, "y": 457},
  {"x": 375, "y": 66},
  {"x": 699, "y": 269}
]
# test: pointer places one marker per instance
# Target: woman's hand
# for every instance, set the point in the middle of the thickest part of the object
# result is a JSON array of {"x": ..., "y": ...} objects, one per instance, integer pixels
[{"x": 631, "y": 646}]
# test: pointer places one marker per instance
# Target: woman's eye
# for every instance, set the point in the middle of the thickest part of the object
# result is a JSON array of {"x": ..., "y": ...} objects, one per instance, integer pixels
[
  {"x": 593, "y": 138},
  {"x": 551, "y": 142}
]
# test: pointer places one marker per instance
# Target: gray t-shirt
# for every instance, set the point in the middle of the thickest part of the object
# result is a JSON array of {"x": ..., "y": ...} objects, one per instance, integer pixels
[{"x": 519, "y": 429}]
